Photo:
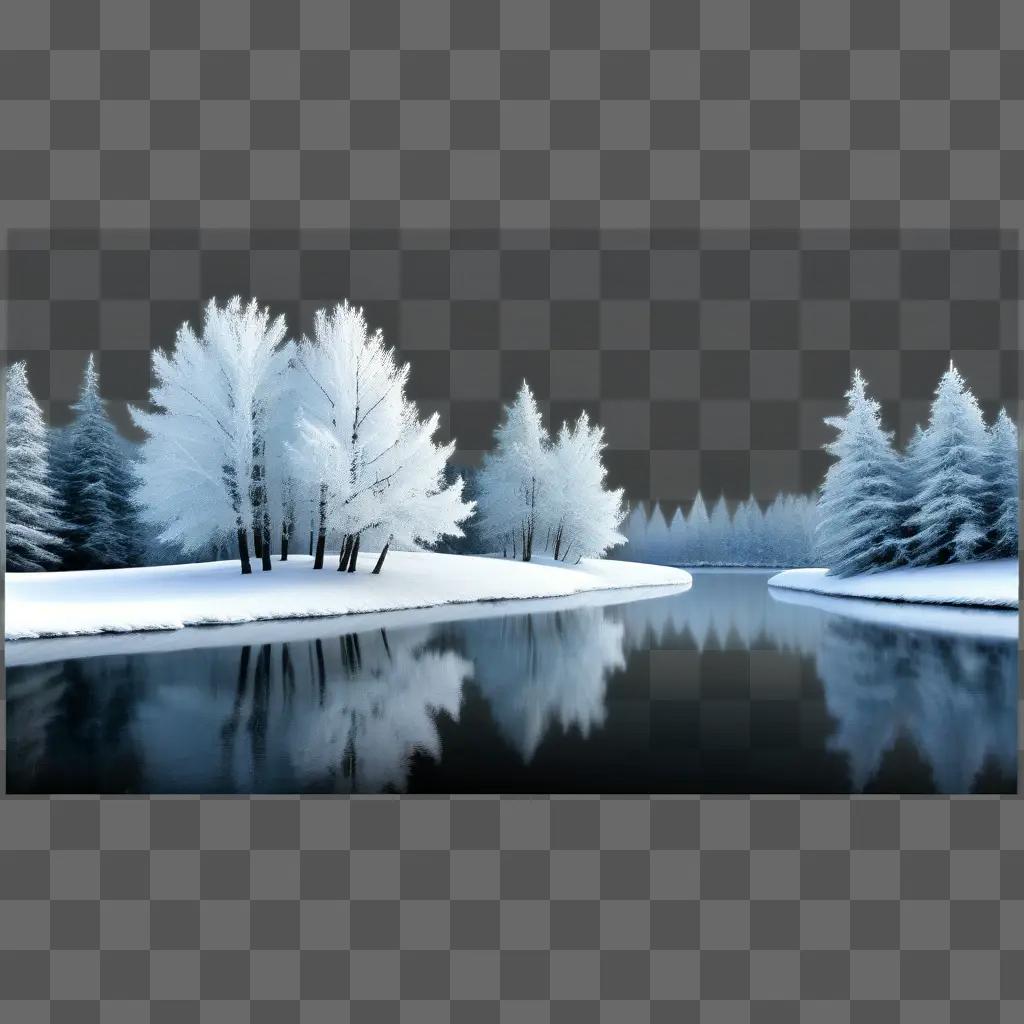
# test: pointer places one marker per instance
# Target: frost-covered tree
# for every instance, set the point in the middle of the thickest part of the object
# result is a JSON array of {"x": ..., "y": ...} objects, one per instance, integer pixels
[
  {"x": 678, "y": 533},
  {"x": 696, "y": 532},
  {"x": 658, "y": 541},
  {"x": 204, "y": 466},
  {"x": 583, "y": 516},
  {"x": 513, "y": 476},
  {"x": 719, "y": 526},
  {"x": 947, "y": 509},
  {"x": 859, "y": 508},
  {"x": 376, "y": 471},
  {"x": 746, "y": 537},
  {"x": 1003, "y": 476},
  {"x": 635, "y": 530},
  {"x": 33, "y": 523},
  {"x": 781, "y": 535},
  {"x": 96, "y": 478}
]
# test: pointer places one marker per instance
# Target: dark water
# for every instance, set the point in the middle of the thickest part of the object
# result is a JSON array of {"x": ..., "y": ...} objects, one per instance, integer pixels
[{"x": 721, "y": 689}]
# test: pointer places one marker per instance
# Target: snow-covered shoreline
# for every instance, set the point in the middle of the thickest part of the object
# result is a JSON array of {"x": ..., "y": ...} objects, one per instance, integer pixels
[
  {"x": 174, "y": 597},
  {"x": 296, "y": 630},
  {"x": 989, "y": 584}
]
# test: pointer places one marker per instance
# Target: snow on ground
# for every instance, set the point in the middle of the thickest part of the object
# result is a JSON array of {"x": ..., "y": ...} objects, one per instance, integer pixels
[
  {"x": 274, "y": 631},
  {"x": 951, "y": 620},
  {"x": 175, "y": 596},
  {"x": 993, "y": 584}
]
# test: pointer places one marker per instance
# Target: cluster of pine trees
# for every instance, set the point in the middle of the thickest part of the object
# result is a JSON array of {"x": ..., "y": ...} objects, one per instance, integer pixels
[
  {"x": 951, "y": 496},
  {"x": 69, "y": 491},
  {"x": 780, "y": 535}
]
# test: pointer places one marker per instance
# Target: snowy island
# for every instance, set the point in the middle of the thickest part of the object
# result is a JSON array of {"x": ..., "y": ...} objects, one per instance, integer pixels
[
  {"x": 990, "y": 584},
  {"x": 175, "y": 596}
]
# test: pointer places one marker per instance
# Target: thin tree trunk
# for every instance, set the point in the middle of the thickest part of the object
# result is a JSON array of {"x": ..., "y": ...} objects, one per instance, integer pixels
[
  {"x": 311, "y": 542},
  {"x": 353, "y": 555},
  {"x": 265, "y": 555},
  {"x": 243, "y": 550},
  {"x": 257, "y": 542},
  {"x": 380, "y": 559},
  {"x": 321, "y": 537},
  {"x": 284, "y": 544},
  {"x": 346, "y": 550}
]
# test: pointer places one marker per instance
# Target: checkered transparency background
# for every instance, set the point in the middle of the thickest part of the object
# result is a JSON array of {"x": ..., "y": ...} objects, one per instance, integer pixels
[{"x": 691, "y": 219}]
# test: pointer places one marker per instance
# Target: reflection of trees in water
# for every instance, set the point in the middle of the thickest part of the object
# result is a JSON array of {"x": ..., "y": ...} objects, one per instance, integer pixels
[
  {"x": 382, "y": 698},
  {"x": 723, "y": 609},
  {"x": 955, "y": 698},
  {"x": 539, "y": 670},
  {"x": 350, "y": 712},
  {"x": 34, "y": 696},
  {"x": 83, "y": 710}
]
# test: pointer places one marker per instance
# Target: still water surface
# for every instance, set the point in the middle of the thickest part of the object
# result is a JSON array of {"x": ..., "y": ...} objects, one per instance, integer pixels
[{"x": 724, "y": 688}]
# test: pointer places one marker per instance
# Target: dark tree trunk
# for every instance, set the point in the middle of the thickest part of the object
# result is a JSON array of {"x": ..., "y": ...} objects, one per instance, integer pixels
[
  {"x": 346, "y": 550},
  {"x": 265, "y": 553},
  {"x": 380, "y": 559},
  {"x": 284, "y": 545},
  {"x": 558, "y": 542},
  {"x": 257, "y": 542},
  {"x": 243, "y": 551},
  {"x": 311, "y": 542},
  {"x": 354, "y": 555},
  {"x": 321, "y": 537}
]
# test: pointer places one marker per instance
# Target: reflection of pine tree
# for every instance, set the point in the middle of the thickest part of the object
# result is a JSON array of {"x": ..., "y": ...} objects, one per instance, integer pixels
[{"x": 946, "y": 694}]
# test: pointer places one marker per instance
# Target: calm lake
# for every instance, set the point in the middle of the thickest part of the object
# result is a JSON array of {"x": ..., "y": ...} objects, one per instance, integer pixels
[{"x": 727, "y": 687}]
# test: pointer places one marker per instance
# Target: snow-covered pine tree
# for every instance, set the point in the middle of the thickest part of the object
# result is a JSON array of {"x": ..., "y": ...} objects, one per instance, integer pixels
[
  {"x": 1003, "y": 496},
  {"x": 511, "y": 479},
  {"x": 581, "y": 514},
  {"x": 696, "y": 532},
  {"x": 719, "y": 529},
  {"x": 96, "y": 478},
  {"x": 805, "y": 520},
  {"x": 859, "y": 507},
  {"x": 201, "y": 475},
  {"x": 635, "y": 530},
  {"x": 947, "y": 510},
  {"x": 362, "y": 443},
  {"x": 657, "y": 535},
  {"x": 33, "y": 523},
  {"x": 747, "y": 534},
  {"x": 677, "y": 537}
]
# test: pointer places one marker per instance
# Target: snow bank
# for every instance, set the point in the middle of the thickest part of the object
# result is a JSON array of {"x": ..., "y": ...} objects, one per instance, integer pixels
[
  {"x": 950, "y": 620},
  {"x": 993, "y": 584},
  {"x": 214, "y": 593},
  {"x": 277, "y": 631}
]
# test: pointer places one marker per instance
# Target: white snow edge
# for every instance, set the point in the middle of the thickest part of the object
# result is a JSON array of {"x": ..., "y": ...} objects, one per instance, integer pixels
[
  {"x": 172, "y": 597},
  {"x": 990, "y": 584}
]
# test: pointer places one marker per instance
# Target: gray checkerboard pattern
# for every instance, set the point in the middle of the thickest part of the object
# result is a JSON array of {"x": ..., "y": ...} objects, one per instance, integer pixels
[{"x": 690, "y": 218}]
